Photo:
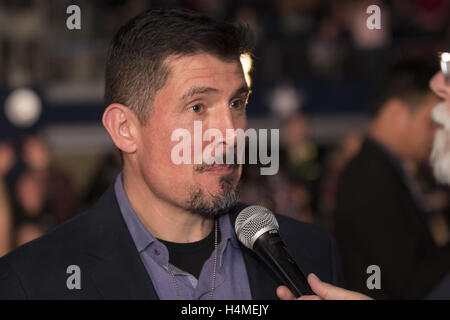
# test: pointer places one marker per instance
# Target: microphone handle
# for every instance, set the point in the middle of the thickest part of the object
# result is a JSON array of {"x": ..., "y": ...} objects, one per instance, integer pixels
[{"x": 272, "y": 250}]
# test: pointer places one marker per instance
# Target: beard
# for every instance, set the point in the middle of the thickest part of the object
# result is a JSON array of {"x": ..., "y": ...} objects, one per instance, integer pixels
[
  {"x": 210, "y": 206},
  {"x": 440, "y": 154}
]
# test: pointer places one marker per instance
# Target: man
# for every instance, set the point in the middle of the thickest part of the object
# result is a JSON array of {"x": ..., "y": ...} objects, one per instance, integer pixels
[
  {"x": 165, "y": 231},
  {"x": 440, "y": 155},
  {"x": 380, "y": 218}
]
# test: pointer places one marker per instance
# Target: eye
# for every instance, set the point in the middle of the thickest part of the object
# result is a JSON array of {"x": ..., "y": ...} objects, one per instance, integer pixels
[
  {"x": 237, "y": 104},
  {"x": 196, "y": 108}
]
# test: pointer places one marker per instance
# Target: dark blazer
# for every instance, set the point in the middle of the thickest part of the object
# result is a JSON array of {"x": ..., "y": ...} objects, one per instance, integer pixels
[
  {"x": 99, "y": 242},
  {"x": 380, "y": 221}
]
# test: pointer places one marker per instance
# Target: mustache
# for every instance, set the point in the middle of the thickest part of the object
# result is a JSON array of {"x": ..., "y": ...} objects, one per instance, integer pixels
[{"x": 219, "y": 159}]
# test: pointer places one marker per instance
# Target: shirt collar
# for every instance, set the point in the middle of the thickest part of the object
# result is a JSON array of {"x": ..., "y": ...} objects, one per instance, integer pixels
[
  {"x": 226, "y": 231},
  {"x": 142, "y": 237}
]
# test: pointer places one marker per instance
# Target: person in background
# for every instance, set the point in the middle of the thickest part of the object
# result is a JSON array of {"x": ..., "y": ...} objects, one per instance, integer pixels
[
  {"x": 31, "y": 205},
  {"x": 299, "y": 156},
  {"x": 7, "y": 157},
  {"x": 292, "y": 198},
  {"x": 29, "y": 231},
  {"x": 7, "y": 160},
  {"x": 440, "y": 155},
  {"x": 256, "y": 188},
  {"x": 300, "y": 160},
  {"x": 345, "y": 151},
  {"x": 102, "y": 177},
  {"x": 5, "y": 221},
  {"x": 59, "y": 190},
  {"x": 380, "y": 217}
]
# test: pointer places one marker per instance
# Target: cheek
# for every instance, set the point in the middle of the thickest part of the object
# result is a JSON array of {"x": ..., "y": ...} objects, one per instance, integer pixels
[
  {"x": 423, "y": 137},
  {"x": 155, "y": 159},
  {"x": 241, "y": 123}
]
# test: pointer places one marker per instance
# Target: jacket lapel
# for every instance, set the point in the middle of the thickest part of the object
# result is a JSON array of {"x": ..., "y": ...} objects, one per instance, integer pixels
[
  {"x": 115, "y": 266},
  {"x": 262, "y": 281}
]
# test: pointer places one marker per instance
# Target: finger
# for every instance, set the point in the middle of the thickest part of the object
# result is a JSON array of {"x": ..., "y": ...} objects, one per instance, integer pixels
[
  {"x": 329, "y": 292},
  {"x": 284, "y": 293},
  {"x": 310, "y": 297},
  {"x": 323, "y": 289}
]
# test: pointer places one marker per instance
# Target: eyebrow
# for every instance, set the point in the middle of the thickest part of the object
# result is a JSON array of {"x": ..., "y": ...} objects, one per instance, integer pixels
[
  {"x": 202, "y": 90},
  {"x": 197, "y": 90},
  {"x": 244, "y": 89}
]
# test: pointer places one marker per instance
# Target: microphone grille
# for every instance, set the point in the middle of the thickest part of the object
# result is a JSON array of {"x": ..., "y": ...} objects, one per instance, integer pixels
[{"x": 251, "y": 222}]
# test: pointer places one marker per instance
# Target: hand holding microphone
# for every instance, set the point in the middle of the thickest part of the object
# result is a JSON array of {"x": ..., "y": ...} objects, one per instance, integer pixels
[{"x": 322, "y": 291}]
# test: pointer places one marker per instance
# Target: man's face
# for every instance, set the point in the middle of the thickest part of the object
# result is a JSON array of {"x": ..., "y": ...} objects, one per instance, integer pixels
[
  {"x": 200, "y": 88},
  {"x": 421, "y": 129},
  {"x": 440, "y": 156}
]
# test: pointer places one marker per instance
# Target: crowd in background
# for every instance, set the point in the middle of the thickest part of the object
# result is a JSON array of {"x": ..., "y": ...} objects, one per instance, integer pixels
[{"x": 296, "y": 40}]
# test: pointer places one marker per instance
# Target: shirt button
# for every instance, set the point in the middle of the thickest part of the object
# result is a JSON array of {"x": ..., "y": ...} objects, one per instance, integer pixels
[{"x": 157, "y": 252}]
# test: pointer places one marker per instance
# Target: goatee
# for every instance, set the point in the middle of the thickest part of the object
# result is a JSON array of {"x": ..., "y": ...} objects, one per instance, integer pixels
[{"x": 217, "y": 205}]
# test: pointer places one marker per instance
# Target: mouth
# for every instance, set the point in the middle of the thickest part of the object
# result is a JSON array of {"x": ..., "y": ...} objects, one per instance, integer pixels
[{"x": 221, "y": 168}]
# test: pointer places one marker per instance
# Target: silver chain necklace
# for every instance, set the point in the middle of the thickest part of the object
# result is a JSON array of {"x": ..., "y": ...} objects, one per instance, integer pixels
[{"x": 213, "y": 282}]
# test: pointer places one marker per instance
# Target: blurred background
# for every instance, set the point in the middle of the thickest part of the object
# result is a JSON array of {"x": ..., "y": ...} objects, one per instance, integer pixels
[{"x": 315, "y": 70}]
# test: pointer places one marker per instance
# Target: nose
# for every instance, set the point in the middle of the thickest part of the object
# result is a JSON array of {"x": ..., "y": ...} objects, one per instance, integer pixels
[
  {"x": 440, "y": 87},
  {"x": 227, "y": 123}
]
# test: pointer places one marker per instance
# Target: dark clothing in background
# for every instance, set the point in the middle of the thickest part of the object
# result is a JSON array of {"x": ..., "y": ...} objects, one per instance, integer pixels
[
  {"x": 379, "y": 220},
  {"x": 62, "y": 196}
]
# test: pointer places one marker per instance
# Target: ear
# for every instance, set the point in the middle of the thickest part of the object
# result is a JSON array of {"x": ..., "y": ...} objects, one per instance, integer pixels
[{"x": 121, "y": 123}]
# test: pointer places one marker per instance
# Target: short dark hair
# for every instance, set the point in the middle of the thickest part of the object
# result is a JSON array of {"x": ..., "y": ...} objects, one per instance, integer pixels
[
  {"x": 407, "y": 81},
  {"x": 135, "y": 68}
]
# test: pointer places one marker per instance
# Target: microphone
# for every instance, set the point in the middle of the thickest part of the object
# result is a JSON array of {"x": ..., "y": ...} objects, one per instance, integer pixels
[{"x": 257, "y": 229}]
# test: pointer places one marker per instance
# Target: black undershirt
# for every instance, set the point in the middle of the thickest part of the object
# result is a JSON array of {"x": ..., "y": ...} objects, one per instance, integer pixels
[{"x": 190, "y": 257}]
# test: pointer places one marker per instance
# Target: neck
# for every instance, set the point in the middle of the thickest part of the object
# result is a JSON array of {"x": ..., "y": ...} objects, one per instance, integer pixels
[{"x": 165, "y": 220}]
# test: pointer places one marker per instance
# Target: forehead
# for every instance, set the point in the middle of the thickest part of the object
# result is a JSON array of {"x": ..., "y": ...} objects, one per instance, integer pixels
[{"x": 205, "y": 70}]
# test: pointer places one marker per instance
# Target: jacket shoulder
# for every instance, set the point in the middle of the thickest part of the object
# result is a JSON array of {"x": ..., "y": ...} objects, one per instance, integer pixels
[
  {"x": 314, "y": 249},
  {"x": 301, "y": 230},
  {"x": 40, "y": 267}
]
